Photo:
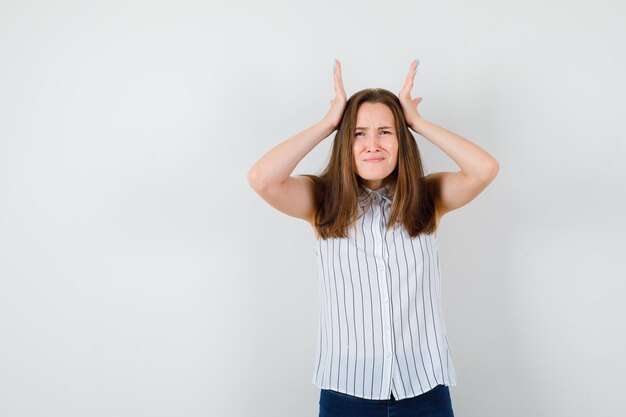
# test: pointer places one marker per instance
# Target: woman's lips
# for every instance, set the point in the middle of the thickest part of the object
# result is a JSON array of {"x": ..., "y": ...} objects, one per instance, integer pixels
[{"x": 374, "y": 160}]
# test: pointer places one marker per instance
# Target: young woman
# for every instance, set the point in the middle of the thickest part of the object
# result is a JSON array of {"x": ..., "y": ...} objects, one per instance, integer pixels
[{"x": 382, "y": 344}]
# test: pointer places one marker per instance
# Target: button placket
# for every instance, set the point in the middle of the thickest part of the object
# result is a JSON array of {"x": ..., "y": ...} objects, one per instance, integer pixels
[{"x": 378, "y": 239}]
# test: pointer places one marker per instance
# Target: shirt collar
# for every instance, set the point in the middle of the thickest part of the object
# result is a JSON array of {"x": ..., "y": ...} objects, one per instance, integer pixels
[{"x": 385, "y": 192}]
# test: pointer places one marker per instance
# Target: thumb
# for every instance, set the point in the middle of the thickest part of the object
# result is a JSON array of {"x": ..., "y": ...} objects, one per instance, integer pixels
[{"x": 417, "y": 101}]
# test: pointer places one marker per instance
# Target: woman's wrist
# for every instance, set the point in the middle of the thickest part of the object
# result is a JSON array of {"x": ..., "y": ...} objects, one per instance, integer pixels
[
  {"x": 416, "y": 125},
  {"x": 327, "y": 126}
]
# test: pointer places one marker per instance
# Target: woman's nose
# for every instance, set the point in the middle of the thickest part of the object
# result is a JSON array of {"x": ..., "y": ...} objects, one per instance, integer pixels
[{"x": 372, "y": 140}]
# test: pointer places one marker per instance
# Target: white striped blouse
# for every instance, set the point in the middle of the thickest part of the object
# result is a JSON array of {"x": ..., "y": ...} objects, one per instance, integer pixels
[{"x": 381, "y": 323}]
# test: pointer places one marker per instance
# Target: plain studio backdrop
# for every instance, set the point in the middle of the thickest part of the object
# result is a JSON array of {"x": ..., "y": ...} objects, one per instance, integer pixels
[{"x": 140, "y": 275}]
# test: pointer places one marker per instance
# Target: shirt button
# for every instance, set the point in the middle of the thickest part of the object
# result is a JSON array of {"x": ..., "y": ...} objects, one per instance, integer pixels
[
  {"x": 381, "y": 268},
  {"x": 388, "y": 354},
  {"x": 386, "y": 299}
]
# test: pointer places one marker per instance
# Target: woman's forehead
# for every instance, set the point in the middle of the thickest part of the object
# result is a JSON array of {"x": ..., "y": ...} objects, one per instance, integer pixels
[{"x": 376, "y": 114}]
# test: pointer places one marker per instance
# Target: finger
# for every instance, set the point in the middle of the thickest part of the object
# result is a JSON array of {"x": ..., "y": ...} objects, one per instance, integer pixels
[
  {"x": 337, "y": 71},
  {"x": 335, "y": 77},
  {"x": 408, "y": 81},
  {"x": 339, "y": 90}
]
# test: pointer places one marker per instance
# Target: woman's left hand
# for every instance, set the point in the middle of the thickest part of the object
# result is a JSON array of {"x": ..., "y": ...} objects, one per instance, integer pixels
[{"x": 409, "y": 105}]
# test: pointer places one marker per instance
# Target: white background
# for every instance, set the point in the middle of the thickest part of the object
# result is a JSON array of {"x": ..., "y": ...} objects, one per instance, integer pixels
[{"x": 140, "y": 275}]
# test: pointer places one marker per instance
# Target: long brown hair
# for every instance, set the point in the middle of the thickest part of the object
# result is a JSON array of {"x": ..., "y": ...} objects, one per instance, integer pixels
[{"x": 337, "y": 188}]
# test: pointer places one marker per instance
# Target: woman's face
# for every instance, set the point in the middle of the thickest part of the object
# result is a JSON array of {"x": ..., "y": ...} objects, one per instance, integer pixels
[{"x": 375, "y": 145}]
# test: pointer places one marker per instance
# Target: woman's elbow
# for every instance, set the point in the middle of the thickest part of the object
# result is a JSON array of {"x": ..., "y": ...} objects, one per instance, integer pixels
[{"x": 492, "y": 171}]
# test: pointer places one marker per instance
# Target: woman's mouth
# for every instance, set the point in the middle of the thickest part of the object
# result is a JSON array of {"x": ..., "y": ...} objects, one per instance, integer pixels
[{"x": 374, "y": 160}]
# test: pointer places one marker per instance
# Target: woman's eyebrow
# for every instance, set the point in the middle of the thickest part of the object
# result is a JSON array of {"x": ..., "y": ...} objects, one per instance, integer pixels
[{"x": 382, "y": 127}]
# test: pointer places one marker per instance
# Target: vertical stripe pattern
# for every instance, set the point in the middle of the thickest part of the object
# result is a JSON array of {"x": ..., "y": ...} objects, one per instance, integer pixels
[{"x": 381, "y": 323}]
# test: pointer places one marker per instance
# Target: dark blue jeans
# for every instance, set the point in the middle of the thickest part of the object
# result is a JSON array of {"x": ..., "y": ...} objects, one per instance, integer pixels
[{"x": 433, "y": 403}]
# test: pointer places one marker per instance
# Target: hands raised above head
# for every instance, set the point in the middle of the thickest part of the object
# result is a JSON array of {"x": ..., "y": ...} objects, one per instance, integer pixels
[
  {"x": 338, "y": 104},
  {"x": 409, "y": 105}
]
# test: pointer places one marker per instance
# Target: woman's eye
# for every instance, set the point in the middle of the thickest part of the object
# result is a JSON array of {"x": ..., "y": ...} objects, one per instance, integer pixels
[
  {"x": 358, "y": 133},
  {"x": 386, "y": 131}
]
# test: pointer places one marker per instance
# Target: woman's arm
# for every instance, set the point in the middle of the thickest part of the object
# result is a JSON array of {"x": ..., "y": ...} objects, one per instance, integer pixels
[
  {"x": 279, "y": 162},
  {"x": 474, "y": 161},
  {"x": 271, "y": 176},
  {"x": 478, "y": 168}
]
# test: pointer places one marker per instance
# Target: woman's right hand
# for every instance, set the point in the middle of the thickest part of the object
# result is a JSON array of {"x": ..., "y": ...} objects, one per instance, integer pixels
[{"x": 338, "y": 104}]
